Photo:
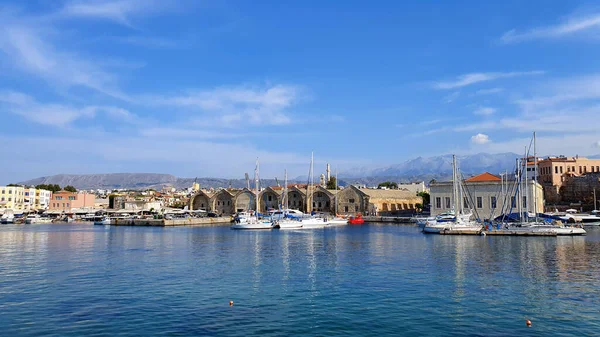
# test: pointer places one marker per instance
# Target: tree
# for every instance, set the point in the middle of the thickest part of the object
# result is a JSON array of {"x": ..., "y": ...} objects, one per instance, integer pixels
[
  {"x": 426, "y": 198},
  {"x": 70, "y": 188},
  {"x": 388, "y": 184},
  {"x": 332, "y": 183},
  {"x": 14, "y": 185},
  {"x": 52, "y": 188}
]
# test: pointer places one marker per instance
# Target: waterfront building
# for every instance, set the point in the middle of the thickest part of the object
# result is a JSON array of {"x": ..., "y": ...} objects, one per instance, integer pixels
[
  {"x": 554, "y": 172},
  {"x": 142, "y": 205},
  {"x": 582, "y": 190},
  {"x": 486, "y": 194},
  {"x": 12, "y": 197},
  {"x": 353, "y": 200},
  {"x": 65, "y": 202},
  {"x": 416, "y": 187}
]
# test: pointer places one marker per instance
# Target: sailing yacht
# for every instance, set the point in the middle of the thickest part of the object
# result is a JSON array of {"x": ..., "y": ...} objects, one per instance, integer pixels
[
  {"x": 253, "y": 221},
  {"x": 534, "y": 223},
  {"x": 287, "y": 222},
  {"x": 461, "y": 220}
]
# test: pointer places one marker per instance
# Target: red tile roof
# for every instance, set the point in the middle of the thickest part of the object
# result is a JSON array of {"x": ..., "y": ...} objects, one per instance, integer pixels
[{"x": 484, "y": 177}]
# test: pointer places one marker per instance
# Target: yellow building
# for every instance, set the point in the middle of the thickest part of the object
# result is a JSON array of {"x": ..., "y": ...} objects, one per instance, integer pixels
[{"x": 12, "y": 197}]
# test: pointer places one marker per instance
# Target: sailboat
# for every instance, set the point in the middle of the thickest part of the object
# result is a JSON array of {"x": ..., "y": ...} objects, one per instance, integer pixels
[
  {"x": 461, "y": 221},
  {"x": 536, "y": 224},
  {"x": 287, "y": 222},
  {"x": 312, "y": 222},
  {"x": 337, "y": 221},
  {"x": 253, "y": 221}
]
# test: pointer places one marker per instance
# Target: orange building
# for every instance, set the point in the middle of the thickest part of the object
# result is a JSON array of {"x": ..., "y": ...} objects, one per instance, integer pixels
[
  {"x": 554, "y": 171},
  {"x": 66, "y": 201}
]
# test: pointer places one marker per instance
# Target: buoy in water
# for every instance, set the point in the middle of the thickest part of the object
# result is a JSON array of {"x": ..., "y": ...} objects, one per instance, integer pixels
[
  {"x": 528, "y": 322},
  {"x": 231, "y": 303}
]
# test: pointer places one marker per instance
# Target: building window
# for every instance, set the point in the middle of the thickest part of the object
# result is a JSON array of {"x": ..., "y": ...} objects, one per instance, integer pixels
[
  {"x": 447, "y": 202},
  {"x": 320, "y": 204},
  {"x": 9, "y": 199},
  {"x": 561, "y": 169},
  {"x": 351, "y": 201},
  {"x": 465, "y": 202},
  {"x": 513, "y": 202},
  {"x": 9, "y": 191},
  {"x": 68, "y": 204},
  {"x": 572, "y": 168},
  {"x": 580, "y": 170},
  {"x": 555, "y": 169},
  {"x": 346, "y": 209},
  {"x": 585, "y": 169},
  {"x": 411, "y": 206},
  {"x": 314, "y": 204},
  {"x": 479, "y": 202},
  {"x": 568, "y": 168},
  {"x": 270, "y": 198},
  {"x": 525, "y": 202},
  {"x": 438, "y": 202},
  {"x": 71, "y": 198},
  {"x": 493, "y": 202},
  {"x": 356, "y": 208}
]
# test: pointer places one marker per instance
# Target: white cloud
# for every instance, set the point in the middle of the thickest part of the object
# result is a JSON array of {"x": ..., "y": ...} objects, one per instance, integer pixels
[
  {"x": 472, "y": 78},
  {"x": 484, "y": 111},
  {"x": 119, "y": 11},
  {"x": 230, "y": 106},
  {"x": 489, "y": 91},
  {"x": 573, "y": 25},
  {"x": 56, "y": 114},
  {"x": 451, "y": 97},
  {"x": 480, "y": 139},
  {"x": 30, "y": 50},
  {"x": 597, "y": 144}
]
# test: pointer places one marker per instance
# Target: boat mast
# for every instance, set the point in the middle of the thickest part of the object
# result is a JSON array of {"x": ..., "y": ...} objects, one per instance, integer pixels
[
  {"x": 526, "y": 186},
  {"x": 336, "y": 193},
  {"x": 595, "y": 207},
  {"x": 519, "y": 191},
  {"x": 256, "y": 181},
  {"x": 312, "y": 178},
  {"x": 535, "y": 189},
  {"x": 285, "y": 193},
  {"x": 454, "y": 187}
]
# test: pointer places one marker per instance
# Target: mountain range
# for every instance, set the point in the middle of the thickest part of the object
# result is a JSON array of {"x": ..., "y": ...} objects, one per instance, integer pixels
[{"x": 418, "y": 169}]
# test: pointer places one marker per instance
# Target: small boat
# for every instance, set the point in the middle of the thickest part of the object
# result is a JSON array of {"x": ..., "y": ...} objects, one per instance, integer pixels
[
  {"x": 337, "y": 221},
  {"x": 7, "y": 218},
  {"x": 356, "y": 220},
  {"x": 101, "y": 220},
  {"x": 32, "y": 219}
]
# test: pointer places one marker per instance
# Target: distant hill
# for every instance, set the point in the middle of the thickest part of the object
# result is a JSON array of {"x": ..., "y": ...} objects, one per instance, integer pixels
[
  {"x": 136, "y": 181},
  {"x": 440, "y": 166},
  {"x": 418, "y": 169}
]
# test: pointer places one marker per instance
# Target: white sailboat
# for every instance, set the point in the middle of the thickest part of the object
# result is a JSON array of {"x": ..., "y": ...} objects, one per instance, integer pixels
[
  {"x": 286, "y": 222},
  {"x": 312, "y": 222},
  {"x": 461, "y": 221},
  {"x": 253, "y": 221},
  {"x": 537, "y": 225}
]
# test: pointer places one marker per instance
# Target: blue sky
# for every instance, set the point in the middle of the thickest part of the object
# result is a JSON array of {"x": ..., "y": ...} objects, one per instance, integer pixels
[{"x": 202, "y": 88}]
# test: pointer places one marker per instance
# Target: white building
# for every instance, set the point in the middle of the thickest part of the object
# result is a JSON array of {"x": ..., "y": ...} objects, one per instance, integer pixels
[
  {"x": 414, "y": 187},
  {"x": 487, "y": 195}
]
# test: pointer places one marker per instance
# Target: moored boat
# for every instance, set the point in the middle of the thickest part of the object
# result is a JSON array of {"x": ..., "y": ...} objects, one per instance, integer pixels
[{"x": 356, "y": 220}]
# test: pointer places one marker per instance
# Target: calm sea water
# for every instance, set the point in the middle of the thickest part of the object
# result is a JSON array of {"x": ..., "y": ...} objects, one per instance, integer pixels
[{"x": 371, "y": 280}]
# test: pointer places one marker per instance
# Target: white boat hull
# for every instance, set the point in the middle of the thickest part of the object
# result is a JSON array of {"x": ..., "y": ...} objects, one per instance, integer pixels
[
  {"x": 337, "y": 222},
  {"x": 289, "y": 224},
  {"x": 252, "y": 226}
]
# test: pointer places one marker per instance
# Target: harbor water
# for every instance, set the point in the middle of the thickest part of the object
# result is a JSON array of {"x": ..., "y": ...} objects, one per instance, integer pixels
[{"x": 370, "y": 280}]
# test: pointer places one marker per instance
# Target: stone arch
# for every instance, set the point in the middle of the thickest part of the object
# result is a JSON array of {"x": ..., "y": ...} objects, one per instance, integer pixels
[
  {"x": 201, "y": 201},
  {"x": 244, "y": 201},
  {"x": 351, "y": 201},
  {"x": 296, "y": 200},
  {"x": 322, "y": 200},
  {"x": 223, "y": 203},
  {"x": 269, "y": 199}
]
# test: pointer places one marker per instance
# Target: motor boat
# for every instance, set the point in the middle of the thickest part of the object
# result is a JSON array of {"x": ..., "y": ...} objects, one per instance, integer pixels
[
  {"x": 36, "y": 219},
  {"x": 356, "y": 220},
  {"x": 7, "y": 218}
]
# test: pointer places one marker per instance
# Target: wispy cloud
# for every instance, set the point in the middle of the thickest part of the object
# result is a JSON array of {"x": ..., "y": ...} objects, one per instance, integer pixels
[
  {"x": 484, "y": 111},
  {"x": 119, "y": 11},
  {"x": 29, "y": 50},
  {"x": 480, "y": 138},
  {"x": 571, "y": 26},
  {"x": 60, "y": 115},
  {"x": 489, "y": 91},
  {"x": 229, "y": 106},
  {"x": 451, "y": 97},
  {"x": 473, "y": 78}
]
